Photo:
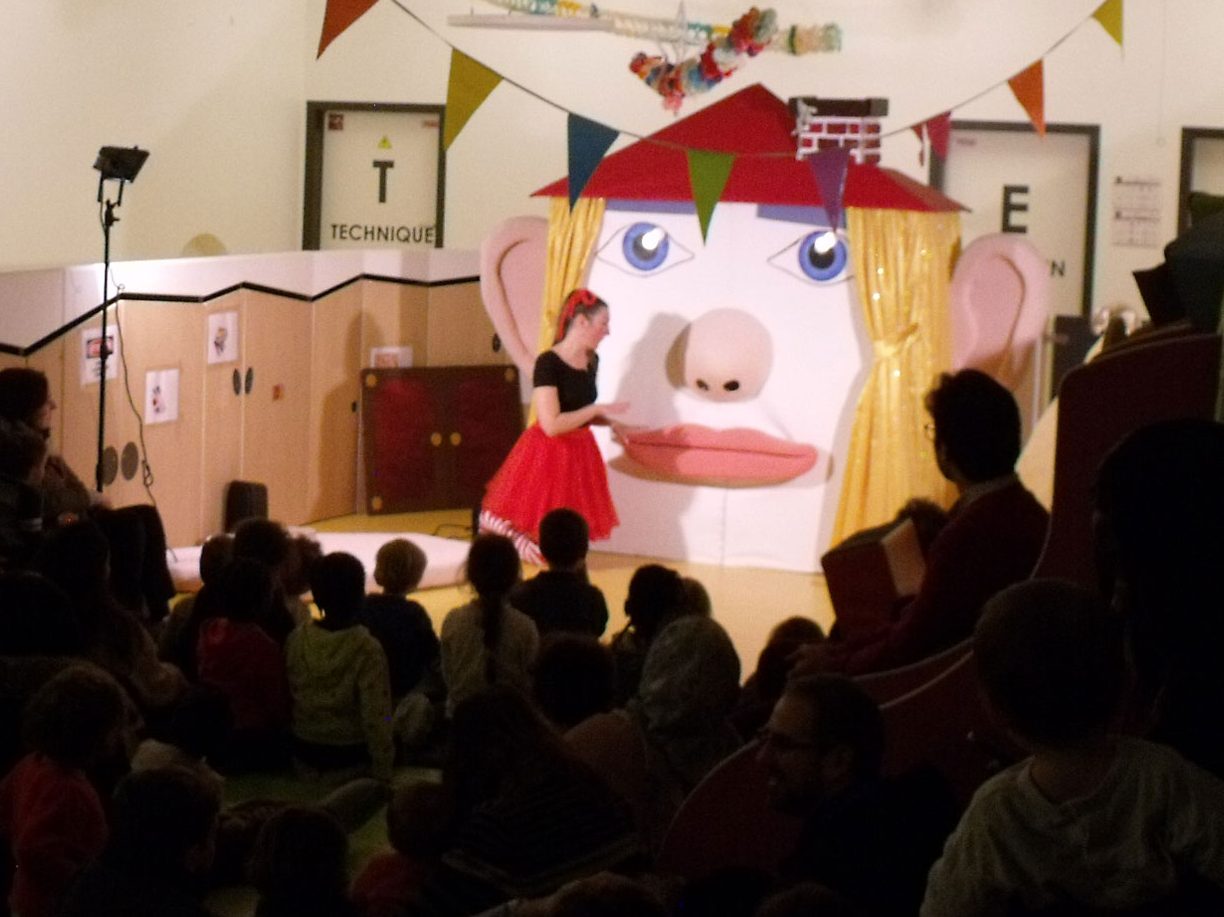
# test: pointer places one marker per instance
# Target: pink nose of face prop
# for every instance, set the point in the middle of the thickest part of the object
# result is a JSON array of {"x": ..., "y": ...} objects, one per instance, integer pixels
[{"x": 728, "y": 355}]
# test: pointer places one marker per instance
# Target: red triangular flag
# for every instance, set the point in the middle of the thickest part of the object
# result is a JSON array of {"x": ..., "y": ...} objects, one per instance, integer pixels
[
  {"x": 938, "y": 130},
  {"x": 339, "y": 15},
  {"x": 1029, "y": 88},
  {"x": 920, "y": 132}
]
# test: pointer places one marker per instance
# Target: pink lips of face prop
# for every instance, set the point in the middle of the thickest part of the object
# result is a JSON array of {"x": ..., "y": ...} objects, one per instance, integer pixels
[{"x": 737, "y": 457}]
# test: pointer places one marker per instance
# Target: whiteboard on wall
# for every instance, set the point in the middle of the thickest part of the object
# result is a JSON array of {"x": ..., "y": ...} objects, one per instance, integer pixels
[
  {"x": 1042, "y": 187},
  {"x": 375, "y": 176},
  {"x": 1202, "y": 168}
]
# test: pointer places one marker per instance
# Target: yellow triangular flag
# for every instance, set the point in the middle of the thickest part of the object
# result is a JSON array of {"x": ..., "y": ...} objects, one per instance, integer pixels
[
  {"x": 385, "y": 143},
  {"x": 470, "y": 84},
  {"x": 1109, "y": 15}
]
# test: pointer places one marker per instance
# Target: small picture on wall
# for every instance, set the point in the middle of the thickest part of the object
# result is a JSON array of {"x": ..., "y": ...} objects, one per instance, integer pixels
[
  {"x": 391, "y": 357},
  {"x": 223, "y": 337},
  {"x": 91, "y": 354},
  {"x": 161, "y": 396}
]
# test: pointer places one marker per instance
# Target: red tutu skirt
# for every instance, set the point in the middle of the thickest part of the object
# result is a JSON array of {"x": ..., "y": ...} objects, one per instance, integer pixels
[{"x": 543, "y": 473}]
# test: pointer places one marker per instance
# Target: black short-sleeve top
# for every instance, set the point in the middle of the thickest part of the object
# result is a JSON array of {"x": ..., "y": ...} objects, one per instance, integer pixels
[{"x": 575, "y": 387}]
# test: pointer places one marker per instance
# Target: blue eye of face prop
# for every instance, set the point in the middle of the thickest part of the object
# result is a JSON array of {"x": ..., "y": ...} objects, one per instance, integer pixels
[
  {"x": 645, "y": 246},
  {"x": 643, "y": 249},
  {"x": 820, "y": 257}
]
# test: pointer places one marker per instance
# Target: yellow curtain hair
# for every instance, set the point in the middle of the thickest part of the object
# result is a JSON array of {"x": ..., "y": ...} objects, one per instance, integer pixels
[{"x": 902, "y": 264}]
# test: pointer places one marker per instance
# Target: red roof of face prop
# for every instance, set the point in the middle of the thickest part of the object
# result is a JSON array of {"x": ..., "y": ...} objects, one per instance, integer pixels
[{"x": 757, "y": 127}]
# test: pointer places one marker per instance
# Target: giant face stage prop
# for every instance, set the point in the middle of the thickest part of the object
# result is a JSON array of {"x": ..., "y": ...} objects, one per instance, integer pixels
[{"x": 741, "y": 354}]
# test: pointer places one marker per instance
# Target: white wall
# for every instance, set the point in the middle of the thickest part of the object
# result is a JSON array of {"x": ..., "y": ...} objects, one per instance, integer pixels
[{"x": 217, "y": 92}]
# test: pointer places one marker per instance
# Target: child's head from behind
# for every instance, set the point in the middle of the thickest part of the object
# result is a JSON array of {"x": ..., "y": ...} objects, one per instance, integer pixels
[
  {"x": 399, "y": 566},
  {"x": 1050, "y": 659},
  {"x": 419, "y": 819},
  {"x": 493, "y": 565},
  {"x": 300, "y": 855},
  {"x": 76, "y": 719},
  {"x": 215, "y": 554},
  {"x": 165, "y": 820},
  {"x": 574, "y": 678},
  {"x": 564, "y": 538},
  {"x": 337, "y": 582},
  {"x": 656, "y": 594},
  {"x": 245, "y": 589}
]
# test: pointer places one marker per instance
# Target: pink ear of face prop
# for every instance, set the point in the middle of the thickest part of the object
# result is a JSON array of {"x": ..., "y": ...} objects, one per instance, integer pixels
[
  {"x": 512, "y": 265},
  {"x": 998, "y": 304}
]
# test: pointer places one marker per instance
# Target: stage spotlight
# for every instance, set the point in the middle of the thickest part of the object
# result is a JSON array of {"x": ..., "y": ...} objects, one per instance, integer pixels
[{"x": 120, "y": 162}]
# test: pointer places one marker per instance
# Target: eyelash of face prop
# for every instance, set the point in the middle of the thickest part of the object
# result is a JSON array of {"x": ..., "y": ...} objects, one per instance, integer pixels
[
  {"x": 819, "y": 257},
  {"x": 643, "y": 249}
]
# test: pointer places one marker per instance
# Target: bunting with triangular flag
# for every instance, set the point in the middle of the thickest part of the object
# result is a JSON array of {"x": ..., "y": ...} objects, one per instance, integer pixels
[
  {"x": 1109, "y": 15},
  {"x": 339, "y": 15},
  {"x": 588, "y": 141},
  {"x": 708, "y": 174},
  {"x": 936, "y": 132},
  {"x": 829, "y": 169},
  {"x": 470, "y": 84},
  {"x": 1029, "y": 88}
]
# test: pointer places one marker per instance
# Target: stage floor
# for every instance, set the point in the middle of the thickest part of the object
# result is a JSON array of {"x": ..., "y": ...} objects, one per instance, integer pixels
[{"x": 748, "y": 602}]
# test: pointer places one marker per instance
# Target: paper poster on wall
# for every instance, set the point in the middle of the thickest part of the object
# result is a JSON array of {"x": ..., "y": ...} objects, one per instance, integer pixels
[
  {"x": 375, "y": 176},
  {"x": 1135, "y": 206},
  {"x": 91, "y": 354},
  {"x": 222, "y": 337},
  {"x": 161, "y": 396},
  {"x": 391, "y": 357}
]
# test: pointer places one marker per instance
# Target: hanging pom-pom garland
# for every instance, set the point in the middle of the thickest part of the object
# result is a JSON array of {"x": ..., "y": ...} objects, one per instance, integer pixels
[{"x": 749, "y": 35}]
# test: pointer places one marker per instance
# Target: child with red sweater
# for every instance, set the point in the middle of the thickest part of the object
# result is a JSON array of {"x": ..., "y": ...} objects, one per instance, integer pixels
[
  {"x": 50, "y": 814},
  {"x": 236, "y": 656}
]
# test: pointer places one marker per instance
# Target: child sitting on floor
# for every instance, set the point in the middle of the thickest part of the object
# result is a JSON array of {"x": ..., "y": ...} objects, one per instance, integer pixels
[
  {"x": 51, "y": 817},
  {"x": 401, "y": 625},
  {"x": 419, "y": 822},
  {"x": 1091, "y": 819},
  {"x": 341, "y": 709}
]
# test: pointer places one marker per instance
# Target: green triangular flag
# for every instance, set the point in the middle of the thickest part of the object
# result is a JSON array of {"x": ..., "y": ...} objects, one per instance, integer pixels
[
  {"x": 470, "y": 84},
  {"x": 708, "y": 173},
  {"x": 1109, "y": 15}
]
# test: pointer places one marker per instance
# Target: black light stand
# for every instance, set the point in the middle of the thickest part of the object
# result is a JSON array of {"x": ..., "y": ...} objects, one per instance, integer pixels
[{"x": 119, "y": 164}]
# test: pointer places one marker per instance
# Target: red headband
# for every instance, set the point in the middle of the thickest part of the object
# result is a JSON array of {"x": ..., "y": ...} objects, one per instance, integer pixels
[{"x": 580, "y": 297}]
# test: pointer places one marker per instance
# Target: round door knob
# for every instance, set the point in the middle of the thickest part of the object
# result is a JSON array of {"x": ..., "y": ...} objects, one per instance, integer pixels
[
  {"x": 435, "y": 439},
  {"x": 455, "y": 439}
]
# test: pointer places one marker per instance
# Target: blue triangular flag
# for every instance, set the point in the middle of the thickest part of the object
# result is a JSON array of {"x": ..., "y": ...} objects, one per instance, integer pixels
[{"x": 588, "y": 141}]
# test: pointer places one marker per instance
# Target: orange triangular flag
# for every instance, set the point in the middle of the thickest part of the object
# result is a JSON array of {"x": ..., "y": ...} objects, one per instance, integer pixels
[
  {"x": 1109, "y": 15},
  {"x": 1029, "y": 88},
  {"x": 339, "y": 15}
]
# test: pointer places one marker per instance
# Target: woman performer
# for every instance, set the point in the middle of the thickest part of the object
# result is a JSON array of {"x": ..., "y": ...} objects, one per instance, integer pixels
[{"x": 556, "y": 461}]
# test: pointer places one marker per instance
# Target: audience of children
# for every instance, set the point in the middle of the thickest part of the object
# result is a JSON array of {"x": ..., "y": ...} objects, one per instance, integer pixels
[
  {"x": 574, "y": 678},
  {"x": 545, "y": 785},
  {"x": 239, "y": 659},
  {"x": 1091, "y": 820},
  {"x": 656, "y": 597},
  {"x": 76, "y": 558},
  {"x": 341, "y": 719},
  {"x": 487, "y": 641},
  {"x": 51, "y": 816},
  {"x": 673, "y": 730},
  {"x": 156, "y": 862},
  {"x": 299, "y": 866},
  {"x": 420, "y": 821},
  {"x": 561, "y": 597},
  {"x": 401, "y": 625}
]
